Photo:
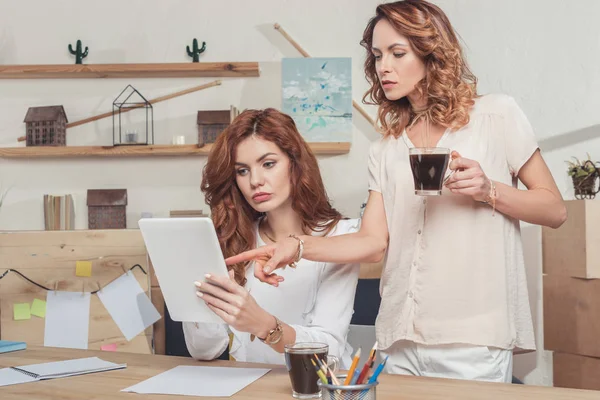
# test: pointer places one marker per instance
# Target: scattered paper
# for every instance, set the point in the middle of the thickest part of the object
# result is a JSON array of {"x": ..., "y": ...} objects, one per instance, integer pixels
[
  {"x": 128, "y": 305},
  {"x": 67, "y": 319},
  {"x": 38, "y": 308},
  {"x": 199, "y": 381},
  {"x": 83, "y": 268},
  {"x": 109, "y": 347},
  {"x": 21, "y": 311}
]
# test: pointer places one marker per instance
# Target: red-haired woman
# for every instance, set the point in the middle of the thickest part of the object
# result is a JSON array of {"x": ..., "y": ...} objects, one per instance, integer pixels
[
  {"x": 454, "y": 295},
  {"x": 263, "y": 184}
]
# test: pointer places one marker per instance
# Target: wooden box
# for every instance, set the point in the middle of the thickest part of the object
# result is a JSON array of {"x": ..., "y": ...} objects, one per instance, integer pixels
[
  {"x": 212, "y": 123},
  {"x": 577, "y": 372},
  {"x": 107, "y": 208},
  {"x": 572, "y": 315},
  {"x": 574, "y": 248}
]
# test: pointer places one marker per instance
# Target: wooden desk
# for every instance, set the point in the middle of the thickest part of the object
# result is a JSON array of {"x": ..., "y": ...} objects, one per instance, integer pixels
[{"x": 273, "y": 386}]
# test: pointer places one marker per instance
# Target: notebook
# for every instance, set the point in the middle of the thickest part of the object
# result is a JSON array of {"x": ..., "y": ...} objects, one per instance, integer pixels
[
  {"x": 7, "y": 346},
  {"x": 54, "y": 370}
]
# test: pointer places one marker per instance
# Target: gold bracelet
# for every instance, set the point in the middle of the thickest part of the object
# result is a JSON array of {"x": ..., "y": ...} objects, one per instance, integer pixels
[
  {"x": 491, "y": 199},
  {"x": 300, "y": 251},
  {"x": 493, "y": 194}
]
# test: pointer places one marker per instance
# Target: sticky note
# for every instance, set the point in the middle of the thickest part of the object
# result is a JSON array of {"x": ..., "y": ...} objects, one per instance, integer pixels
[
  {"x": 83, "y": 268},
  {"x": 21, "y": 311},
  {"x": 109, "y": 347},
  {"x": 38, "y": 308}
]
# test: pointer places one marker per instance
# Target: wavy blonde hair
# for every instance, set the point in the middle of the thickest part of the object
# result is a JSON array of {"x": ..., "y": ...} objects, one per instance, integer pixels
[{"x": 449, "y": 85}]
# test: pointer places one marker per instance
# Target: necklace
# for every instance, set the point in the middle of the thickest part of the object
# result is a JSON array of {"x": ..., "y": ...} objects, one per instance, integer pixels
[{"x": 267, "y": 235}]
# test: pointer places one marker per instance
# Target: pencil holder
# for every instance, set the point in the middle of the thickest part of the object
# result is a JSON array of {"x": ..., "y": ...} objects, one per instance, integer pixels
[{"x": 365, "y": 391}]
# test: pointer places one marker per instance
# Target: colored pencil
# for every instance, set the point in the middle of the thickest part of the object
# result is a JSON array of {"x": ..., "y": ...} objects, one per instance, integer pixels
[{"x": 352, "y": 367}]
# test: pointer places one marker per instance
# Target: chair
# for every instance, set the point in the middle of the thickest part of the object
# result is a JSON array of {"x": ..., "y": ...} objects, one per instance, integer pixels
[{"x": 175, "y": 340}]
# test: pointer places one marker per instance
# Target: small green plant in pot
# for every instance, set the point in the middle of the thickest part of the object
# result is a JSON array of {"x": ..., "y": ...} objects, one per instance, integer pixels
[{"x": 585, "y": 175}]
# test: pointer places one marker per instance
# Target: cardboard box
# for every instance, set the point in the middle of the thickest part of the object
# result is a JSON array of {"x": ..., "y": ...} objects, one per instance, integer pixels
[
  {"x": 577, "y": 372},
  {"x": 572, "y": 315},
  {"x": 574, "y": 248}
]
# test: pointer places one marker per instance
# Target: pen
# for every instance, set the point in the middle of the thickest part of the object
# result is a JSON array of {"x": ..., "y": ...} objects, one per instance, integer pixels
[
  {"x": 378, "y": 371},
  {"x": 325, "y": 369},
  {"x": 319, "y": 373},
  {"x": 334, "y": 379},
  {"x": 352, "y": 367},
  {"x": 320, "y": 364},
  {"x": 354, "y": 377}
]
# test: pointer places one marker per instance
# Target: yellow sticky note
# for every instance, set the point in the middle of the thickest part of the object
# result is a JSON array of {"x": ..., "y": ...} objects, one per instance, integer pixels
[
  {"x": 21, "y": 311},
  {"x": 83, "y": 268},
  {"x": 38, "y": 308}
]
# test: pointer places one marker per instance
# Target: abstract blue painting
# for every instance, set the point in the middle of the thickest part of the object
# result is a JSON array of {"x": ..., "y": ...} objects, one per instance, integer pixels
[{"x": 317, "y": 94}]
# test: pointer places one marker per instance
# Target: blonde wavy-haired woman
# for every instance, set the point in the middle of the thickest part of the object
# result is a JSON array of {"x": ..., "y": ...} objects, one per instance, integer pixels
[{"x": 454, "y": 294}]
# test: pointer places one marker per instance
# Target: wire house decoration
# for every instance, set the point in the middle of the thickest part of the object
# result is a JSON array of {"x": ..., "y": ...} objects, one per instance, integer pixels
[{"x": 133, "y": 119}]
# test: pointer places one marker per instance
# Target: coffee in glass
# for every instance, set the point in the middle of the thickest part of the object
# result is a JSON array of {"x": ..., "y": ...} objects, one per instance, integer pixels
[
  {"x": 302, "y": 372},
  {"x": 429, "y": 165}
]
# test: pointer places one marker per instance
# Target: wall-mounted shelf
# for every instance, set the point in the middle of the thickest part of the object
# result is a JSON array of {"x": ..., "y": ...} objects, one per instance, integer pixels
[
  {"x": 167, "y": 70},
  {"x": 324, "y": 148}
]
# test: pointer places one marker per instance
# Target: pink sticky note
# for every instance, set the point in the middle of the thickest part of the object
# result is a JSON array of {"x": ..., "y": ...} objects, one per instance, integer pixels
[{"x": 109, "y": 347}]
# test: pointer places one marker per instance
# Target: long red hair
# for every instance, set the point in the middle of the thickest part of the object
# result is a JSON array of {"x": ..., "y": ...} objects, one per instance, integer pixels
[
  {"x": 233, "y": 217},
  {"x": 449, "y": 85}
]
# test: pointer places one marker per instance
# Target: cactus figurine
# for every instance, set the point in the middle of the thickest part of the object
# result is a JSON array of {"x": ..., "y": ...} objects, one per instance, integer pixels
[
  {"x": 196, "y": 51},
  {"x": 79, "y": 55}
]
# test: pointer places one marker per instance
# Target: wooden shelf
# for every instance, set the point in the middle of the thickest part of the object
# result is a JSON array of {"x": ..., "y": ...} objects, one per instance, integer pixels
[
  {"x": 324, "y": 148},
  {"x": 168, "y": 70}
]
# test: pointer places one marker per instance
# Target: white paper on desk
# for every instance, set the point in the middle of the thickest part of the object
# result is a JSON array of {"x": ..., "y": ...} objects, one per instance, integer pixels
[
  {"x": 190, "y": 380},
  {"x": 128, "y": 305},
  {"x": 67, "y": 319}
]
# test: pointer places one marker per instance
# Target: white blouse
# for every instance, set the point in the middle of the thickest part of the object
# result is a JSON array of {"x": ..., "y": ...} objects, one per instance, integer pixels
[
  {"x": 316, "y": 299},
  {"x": 454, "y": 272}
]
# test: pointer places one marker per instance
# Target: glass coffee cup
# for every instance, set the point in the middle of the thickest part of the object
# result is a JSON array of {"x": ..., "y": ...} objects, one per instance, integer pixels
[
  {"x": 303, "y": 374},
  {"x": 429, "y": 166}
]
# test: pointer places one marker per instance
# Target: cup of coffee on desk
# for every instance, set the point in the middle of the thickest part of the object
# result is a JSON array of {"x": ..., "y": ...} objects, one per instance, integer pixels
[
  {"x": 299, "y": 358},
  {"x": 429, "y": 165}
]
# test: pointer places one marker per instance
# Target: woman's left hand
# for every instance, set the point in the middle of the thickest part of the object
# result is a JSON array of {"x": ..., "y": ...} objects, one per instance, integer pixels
[
  {"x": 468, "y": 178},
  {"x": 234, "y": 305}
]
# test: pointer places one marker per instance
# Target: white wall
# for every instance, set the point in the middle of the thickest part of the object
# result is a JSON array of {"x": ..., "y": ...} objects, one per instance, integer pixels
[
  {"x": 545, "y": 53},
  {"x": 158, "y": 31}
]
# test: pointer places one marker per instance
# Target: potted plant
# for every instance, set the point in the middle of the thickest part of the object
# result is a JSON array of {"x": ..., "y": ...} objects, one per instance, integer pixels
[{"x": 585, "y": 175}]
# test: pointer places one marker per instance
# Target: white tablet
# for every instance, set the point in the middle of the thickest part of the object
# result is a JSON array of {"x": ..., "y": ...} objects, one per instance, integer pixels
[{"x": 182, "y": 251}]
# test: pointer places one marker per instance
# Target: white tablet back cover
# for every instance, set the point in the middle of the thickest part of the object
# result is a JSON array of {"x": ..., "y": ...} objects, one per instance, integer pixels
[{"x": 182, "y": 251}]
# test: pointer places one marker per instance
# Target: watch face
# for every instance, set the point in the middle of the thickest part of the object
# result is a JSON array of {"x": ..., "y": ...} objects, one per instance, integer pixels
[{"x": 275, "y": 335}]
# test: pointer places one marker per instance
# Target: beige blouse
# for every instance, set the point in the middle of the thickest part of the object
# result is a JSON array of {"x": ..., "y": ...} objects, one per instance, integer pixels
[{"x": 454, "y": 273}]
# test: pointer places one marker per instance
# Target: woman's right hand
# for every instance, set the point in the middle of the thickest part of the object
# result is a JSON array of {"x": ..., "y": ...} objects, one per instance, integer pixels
[{"x": 269, "y": 258}]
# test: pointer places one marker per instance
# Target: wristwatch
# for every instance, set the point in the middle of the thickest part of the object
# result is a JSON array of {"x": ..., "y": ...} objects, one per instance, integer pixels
[{"x": 274, "y": 335}]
